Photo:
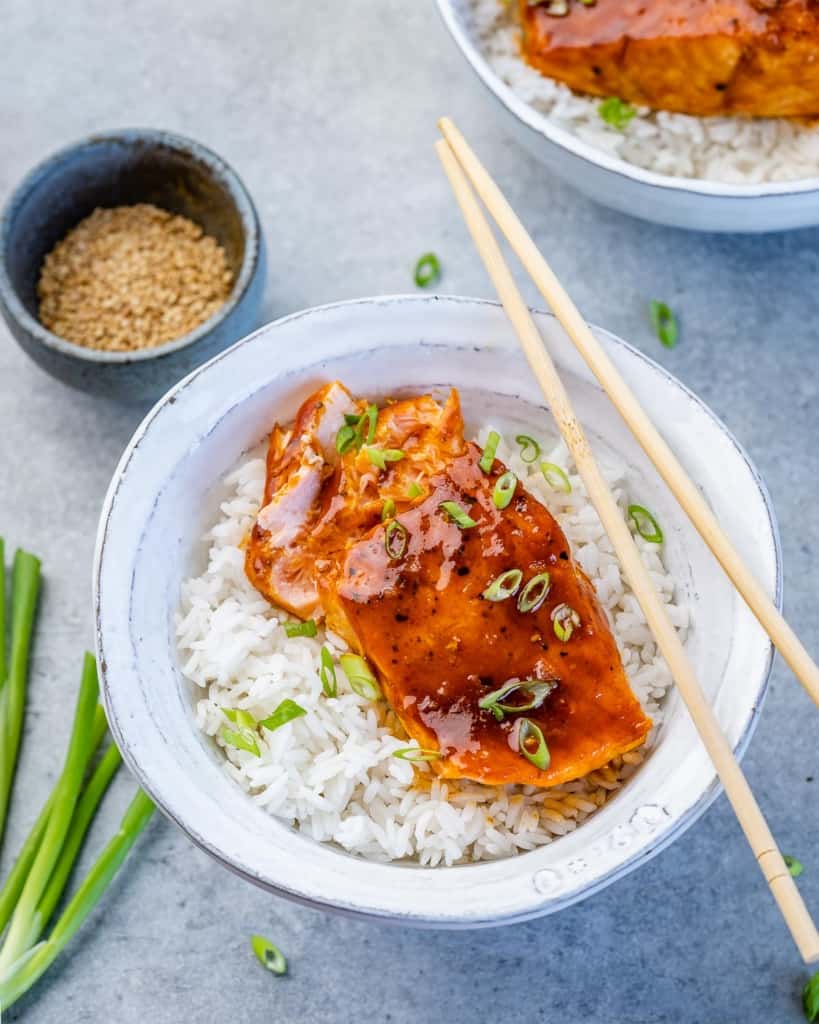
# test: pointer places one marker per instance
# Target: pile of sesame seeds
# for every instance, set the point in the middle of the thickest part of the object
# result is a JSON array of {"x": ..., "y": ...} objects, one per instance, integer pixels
[{"x": 132, "y": 277}]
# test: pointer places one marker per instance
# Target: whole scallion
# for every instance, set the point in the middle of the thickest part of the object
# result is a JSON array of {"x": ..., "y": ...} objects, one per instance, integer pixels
[
  {"x": 24, "y": 920},
  {"x": 25, "y": 588},
  {"x": 31, "y": 964}
]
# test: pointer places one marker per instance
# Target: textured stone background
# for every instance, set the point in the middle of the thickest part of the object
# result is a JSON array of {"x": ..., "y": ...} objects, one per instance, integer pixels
[{"x": 328, "y": 111}]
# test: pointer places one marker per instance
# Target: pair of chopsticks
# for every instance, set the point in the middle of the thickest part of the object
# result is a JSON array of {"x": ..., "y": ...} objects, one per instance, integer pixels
[{"x": 465, "y": 173}]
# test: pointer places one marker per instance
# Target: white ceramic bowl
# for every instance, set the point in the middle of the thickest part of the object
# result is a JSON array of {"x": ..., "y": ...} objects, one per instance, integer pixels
[
  {"x": 162, "y": 498},
  {"x": 678, "y": 202}
]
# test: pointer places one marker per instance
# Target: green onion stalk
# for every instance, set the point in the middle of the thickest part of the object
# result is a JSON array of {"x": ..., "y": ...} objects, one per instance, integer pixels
[
  {"x": 25, "y": 920},
  {"x": 25, "y": 588},
  {"x": 30, "y": 965},
  {"x": 16, "y": 878}
]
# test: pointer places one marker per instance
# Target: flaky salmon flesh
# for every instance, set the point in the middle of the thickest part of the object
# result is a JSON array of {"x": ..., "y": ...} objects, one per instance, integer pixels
[
  {"x": 700, "y": 57},
  {"x": 477, "y": 676}
]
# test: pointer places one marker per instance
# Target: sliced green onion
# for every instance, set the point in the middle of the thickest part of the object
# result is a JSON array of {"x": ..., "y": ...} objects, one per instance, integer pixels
[
  {"x": 327, "y": 674},
  {"x": 794, "y": 866},
  {"x": 536, "y": 690},
  {"x": 664, "y": 323},
  {"x": 427, "y": 270},
  {"x": 504, "y": 490},
  {"x": 529, "y": 448},
  {"x": 415, "y": 490},
  {"x": 645, "y": 524},
  {"x": 351, "y": 419},
  {"x": 345, "y": 438},
  {"x": 239, "y": 717},
  {"x": 810, "y": 999},
  {"x": 361, "y": 677},
  {"x": 388, "y": 511},
  {"x": 616, "y": 113},
  {"x": 284, "y": 713},
  {"x": 458, "y": 515},
  {"x": 565, "y": 620},
  {"x": 489, "y": 449},
  {"x": 534, "y": 593},
  {"x": 371, "y": 416},
  {"x": 268, "y": 955},
  {"x": 381, "y": 456},
  {"x": 417, "y": 754},
  {"x": 307, "y": 628},
  {"x": 529, "y": 735},
  {"x": 240, "y": 740},
  {"x": 556, "y": 477},
  {"x": 503, "y": 586},
  {"x": 396, "y": 539},
  {"x": 243, "y": 737}
]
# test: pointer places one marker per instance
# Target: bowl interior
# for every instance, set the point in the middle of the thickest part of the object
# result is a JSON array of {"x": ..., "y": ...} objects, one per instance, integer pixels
[
  {"x": 163, "y": 495},
  {"x": 111, "y": 171}
]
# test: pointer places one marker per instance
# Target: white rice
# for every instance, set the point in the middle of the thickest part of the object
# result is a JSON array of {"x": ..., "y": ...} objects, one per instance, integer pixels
[
  {"x": 331, "y": 773},
  {"x": 730, "y": 149}
]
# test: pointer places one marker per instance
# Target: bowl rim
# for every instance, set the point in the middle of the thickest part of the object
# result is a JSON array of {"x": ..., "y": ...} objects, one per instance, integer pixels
[
  {"x": 547, "y": 905},
  {"x": 50, "y": 166},
  {"x": 542, "y": 125}
]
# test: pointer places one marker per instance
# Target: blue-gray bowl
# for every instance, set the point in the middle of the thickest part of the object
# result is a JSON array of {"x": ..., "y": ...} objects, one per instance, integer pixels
[{"x": 121, "y": 168}]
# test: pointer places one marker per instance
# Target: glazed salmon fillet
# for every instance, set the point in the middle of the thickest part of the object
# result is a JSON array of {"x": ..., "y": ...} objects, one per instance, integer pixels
[
  {"x": 475, "y": 674},
  {"x": 700, "y": 57}
]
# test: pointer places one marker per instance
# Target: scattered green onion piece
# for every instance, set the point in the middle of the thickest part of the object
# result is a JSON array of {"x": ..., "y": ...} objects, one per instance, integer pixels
[
  {"x": 616, "y": 113},
  {"x": 388, "y": 511},
  {"x": 396, "y": 539},
  {"x": 556, "y": 477},
  {"x": 284, "y": 713},
  {"x": 240, "y": 740},
  {"x": 810, "y": 999},
  {"x": 504, "y": 490},
  {"x": 529, "y": 448},
  {"x": 351, "y": 419},
  {"x": 565, "y": 620},
  {"x": 307, "y": 628},
  {"x": 458, "y": 515},
  {"x": 362, "y": 680},
  {"x": 345, "y": 438},
  {"x": 645, "y": 524},
  {"x": 268, "y": 955},
  {"x": 427, "y": 270},
  {"x": 371, "y": 416},
  {"x": 664, "y": 323},
  {"x": 417, "y": 754},
  {"x": 534, "y": 593},
  {"x": 489, "y": 449},
  {"x": 504, "y": 586},
  {"x": 241, "y": 718},
  {"x": 794, "y": 866},
  {"x": 528, "y": 731},
  {"x": 537, "y": 691},
  {"x": 327, "y": 674},
  {"x": 381, "y": 456},
  {"x": 415, "y": 491}
]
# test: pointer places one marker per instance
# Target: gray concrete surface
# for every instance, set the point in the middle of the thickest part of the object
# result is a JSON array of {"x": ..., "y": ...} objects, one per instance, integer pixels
[{"x": 328, "y": 111}]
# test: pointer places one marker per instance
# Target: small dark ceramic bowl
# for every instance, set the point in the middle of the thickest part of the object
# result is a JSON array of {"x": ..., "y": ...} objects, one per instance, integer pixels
[{"x": 133, "y": 166}]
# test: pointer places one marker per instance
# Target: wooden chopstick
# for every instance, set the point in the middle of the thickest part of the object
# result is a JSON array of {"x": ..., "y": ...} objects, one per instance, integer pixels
[
  {"x": 736, "y": 786},
  {"x": 667, "y": 464}
]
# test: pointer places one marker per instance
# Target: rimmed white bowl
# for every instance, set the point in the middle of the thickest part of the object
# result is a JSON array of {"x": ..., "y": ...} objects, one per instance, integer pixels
[
  {"x": 162, "y": 497},
  {"x": 678, "y": 202}
]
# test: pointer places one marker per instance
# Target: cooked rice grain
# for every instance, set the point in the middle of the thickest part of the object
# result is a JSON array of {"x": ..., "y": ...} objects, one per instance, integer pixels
[{"x": 331, "y": 773}]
